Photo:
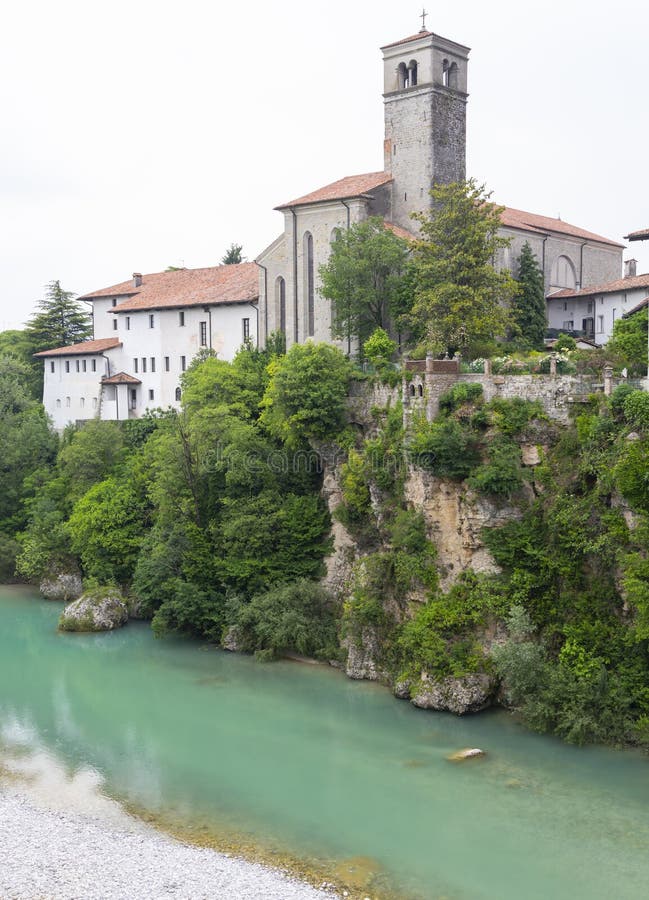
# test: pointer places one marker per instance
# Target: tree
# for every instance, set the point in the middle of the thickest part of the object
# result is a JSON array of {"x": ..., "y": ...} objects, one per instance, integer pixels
[
  {"x": 233, "y": 255},
  {"x": 528, "y": 305},
  {"x": 461, "y": 301},
  {"x": 362, "y": 278},
  {"x": 629, "y": 342},
  {"x": 59, "y": 322}
]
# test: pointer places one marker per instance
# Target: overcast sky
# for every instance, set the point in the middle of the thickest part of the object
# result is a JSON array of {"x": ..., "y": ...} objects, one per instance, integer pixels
[{"x": 139, "y": 134}]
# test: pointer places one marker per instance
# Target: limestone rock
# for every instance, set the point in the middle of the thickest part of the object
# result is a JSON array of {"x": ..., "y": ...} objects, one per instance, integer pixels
[
  {"x": 362, "y": 655},
  {"x": 231, "y": 639},
  {"x": 64, "y": 586},
  {"x": 100, "y": 610},
  {"x": 401, "y": 690},
  {"x": 469, "y": 753},
  {"x": 467, "y": 694},
  {"x": 530, "y": 454}
]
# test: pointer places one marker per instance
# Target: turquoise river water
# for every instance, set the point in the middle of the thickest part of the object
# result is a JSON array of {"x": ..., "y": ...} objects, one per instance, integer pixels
[{"x": 322, "y": 766}]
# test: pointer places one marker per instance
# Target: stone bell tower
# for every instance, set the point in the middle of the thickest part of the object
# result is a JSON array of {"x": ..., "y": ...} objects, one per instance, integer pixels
[{"x": 425, "y": 95}]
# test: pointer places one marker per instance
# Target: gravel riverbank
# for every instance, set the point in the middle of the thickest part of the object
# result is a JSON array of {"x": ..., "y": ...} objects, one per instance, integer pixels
[{"x": 51, "y": 854}]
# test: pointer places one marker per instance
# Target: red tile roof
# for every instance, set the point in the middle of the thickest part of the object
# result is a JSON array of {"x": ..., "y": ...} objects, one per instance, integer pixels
[
  {"x": 400, "y": 232},
  {"x": 636, "y": 308},
  {"x": 90, "y": 348},
  {"x": 121, "y": 378},
  {"x": 407, "y": 40},
  {"x": 642, "y": 235},
  {"x": 186, "y": 287},
  {"x": 610, "y": 287},
  {"x": 517, "y": 218},
  {"x": 343, "y": 189}
]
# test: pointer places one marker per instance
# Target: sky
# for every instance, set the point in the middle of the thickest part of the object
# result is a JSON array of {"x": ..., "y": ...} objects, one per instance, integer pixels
[{"x": 137, "y": 135}]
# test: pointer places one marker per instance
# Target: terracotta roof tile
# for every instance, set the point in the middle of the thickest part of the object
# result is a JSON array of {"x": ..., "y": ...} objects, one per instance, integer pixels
[
  {"x": 517, "y": 218},
  {"x": 121, "y": 378},
  {"x": 87, "y": 347},
  {"x": 636, "y": 308},
  {"x": 343, "y": 189},
  {"x": 400, "y": 232},
  {"x": 407, "y": 40},
  {"x": 610, "y": 287},
  {"x": 642, "y": 235},
  {"x": 186, "y": 287}
]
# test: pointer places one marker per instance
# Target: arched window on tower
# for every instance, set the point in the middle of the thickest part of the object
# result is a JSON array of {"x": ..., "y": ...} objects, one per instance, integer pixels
[
  {"x": 280, "y": 302},
  {"x": 309, "y": 284},
  {"x": 449, "y": 74},
  {"x": 563, "y": 273},
  {"x": 412, "y": 72},
  {"x": 402, "y": 76}
]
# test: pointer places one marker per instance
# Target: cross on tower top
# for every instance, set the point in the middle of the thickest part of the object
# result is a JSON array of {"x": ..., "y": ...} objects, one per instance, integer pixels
[{"x": 423, "y": 19}]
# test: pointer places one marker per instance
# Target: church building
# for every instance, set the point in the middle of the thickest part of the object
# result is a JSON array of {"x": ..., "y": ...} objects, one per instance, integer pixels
[{"x": 425, "y": 79}]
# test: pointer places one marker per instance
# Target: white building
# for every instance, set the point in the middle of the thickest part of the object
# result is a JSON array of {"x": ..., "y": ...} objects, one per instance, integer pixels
[
  {"x": 146, "y": 332},
  {"x": 593, "y": 311}
]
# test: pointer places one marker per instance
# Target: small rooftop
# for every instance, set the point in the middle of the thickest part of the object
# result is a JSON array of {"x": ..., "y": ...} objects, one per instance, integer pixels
[
  {"x": 611, "y": 287},
  {"x": 642, "y": 235},
  {"x": 185, "y": 287},
  {"x": 344, "y": 189},
  {"x": 121, "y": 378},
  {"x": 86, "y": 348}
]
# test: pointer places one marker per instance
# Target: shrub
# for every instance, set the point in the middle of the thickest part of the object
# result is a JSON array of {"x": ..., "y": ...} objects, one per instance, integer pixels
[
  {"x": 444, "y": 448},
  {"x": 502, "y": 475},
  {"x": 511, "y": 416},
  {"x": 636, "y": 409},
  {"x": 618, "y": 398},
  {"x": 460, "y": 393},
  {"x": 297, "y": 617},
  {"x": 379, "y": 347},
  {"x": 565, "y": 342},
  {"x": 632, "y": 475}
]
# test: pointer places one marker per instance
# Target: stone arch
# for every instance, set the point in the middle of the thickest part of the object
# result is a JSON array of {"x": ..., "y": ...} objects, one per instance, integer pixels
[
  {"x": 402, "y": 76},
  {"x": 564, "y": 274},
  {"x": 412, "y": 72},
  {"x": 449, "y": 74}
]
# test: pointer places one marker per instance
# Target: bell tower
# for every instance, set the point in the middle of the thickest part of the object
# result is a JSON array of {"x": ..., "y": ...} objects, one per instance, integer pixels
[{"x": 425, "y": 96}]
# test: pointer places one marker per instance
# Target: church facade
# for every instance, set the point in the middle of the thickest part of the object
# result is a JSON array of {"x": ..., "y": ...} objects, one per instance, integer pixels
[{"x": 425, "y": 97}]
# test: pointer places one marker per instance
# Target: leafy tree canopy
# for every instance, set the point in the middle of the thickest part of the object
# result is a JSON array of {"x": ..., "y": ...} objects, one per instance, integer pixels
[
  {"x": 362, "y": 278},
  {"x": 461, "y": 302},
  {"x": 233, "y": 255}
]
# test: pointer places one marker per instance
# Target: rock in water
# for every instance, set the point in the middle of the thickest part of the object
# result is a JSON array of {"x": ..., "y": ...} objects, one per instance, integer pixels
[
  {"x": 64, "y": 586},
  {"x": 466, "y": 694},
  {"x": 472, "y": 753},
  {"x": 100, "y": 610}
]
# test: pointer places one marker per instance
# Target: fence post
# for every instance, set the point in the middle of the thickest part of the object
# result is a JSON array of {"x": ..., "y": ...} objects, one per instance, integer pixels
[
  {"x": 553, "y": 364},
  {"x": 608, "y": 380}
]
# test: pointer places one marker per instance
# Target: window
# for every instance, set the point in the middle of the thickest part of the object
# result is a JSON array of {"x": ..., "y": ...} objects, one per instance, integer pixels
[
  {"x": 309, "y": 283},
  {"x": 565, "y": 307},
  {"x": 151, "y": 395},
  {"x": 600, "y": 324},
  {"x": 181, "y": 318},
  {"x": 203, "y": 333},
  {"x": 127, "y": 321},
  {"x": 78, "y": 365},
  {"x": 178, "y": 394},
  {"x": 614, "y": 315},
  {"x": 94, "y": 365},
  {"x": 151, "y": 321},
  {"x": 67, "y": 365},
  {"x": 412, "y": 72},
  {"x": 280, "y": 301},
  {"x": 133, "y": 398},
  {"x": 52, "y": 367},
  {"x": 114, "y": 324},
  {"x": 246, "y": 329},
  {"x": 449, "y": 74},
  {"x": 153, "y": 363},
  {"x": 114, "y": 301},
  {"x": 67, "y": 401},
  {"x": 58, "y": 404},
  {"x": 183, "y": 363},
  {"x": 589, "y": 307},
  {"x": 94, "y": 403},
  {"x": 84, "y": 365},
  {"x": 135, "y": 366},
  {"x": 166, "y": 363},
  {"x": 568, "y": 325},
  {"x": 402, "y": 76},
  {"x": 82, "y": 402},
  {"x": 144, "y": 363}
]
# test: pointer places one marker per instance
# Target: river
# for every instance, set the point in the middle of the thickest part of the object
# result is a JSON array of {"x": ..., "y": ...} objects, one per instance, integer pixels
[{"x": 298, "y": 758}]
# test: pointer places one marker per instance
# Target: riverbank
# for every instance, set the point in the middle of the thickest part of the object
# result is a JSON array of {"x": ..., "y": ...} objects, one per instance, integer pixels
[{"x": 64, "y": 855}]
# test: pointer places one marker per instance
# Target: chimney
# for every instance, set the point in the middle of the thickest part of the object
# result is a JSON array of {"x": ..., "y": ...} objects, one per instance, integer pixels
[
  {"x": 137, "y": 279},
  {"x": 630, "y": 268}
]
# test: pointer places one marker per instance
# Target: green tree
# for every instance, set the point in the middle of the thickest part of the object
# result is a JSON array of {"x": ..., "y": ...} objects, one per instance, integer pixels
[
  {"x": 362, "y": 278},
  {"x": 528, "y": 305},
  {"x": 233, "y": 255},
  {"x": 629, "y": 342},
  {"x": 60, "y": 320},
  {"x": 461, "y": 302}
]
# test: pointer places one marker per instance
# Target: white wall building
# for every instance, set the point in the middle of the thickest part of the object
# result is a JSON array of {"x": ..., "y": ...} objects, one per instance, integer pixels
[
  {"x": 146, "y": 332},
  {"x": 594, "y": 310}
]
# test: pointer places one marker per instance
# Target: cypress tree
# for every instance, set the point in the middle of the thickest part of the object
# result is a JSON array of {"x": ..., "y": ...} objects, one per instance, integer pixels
[{"x": 528, "y": 306}]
